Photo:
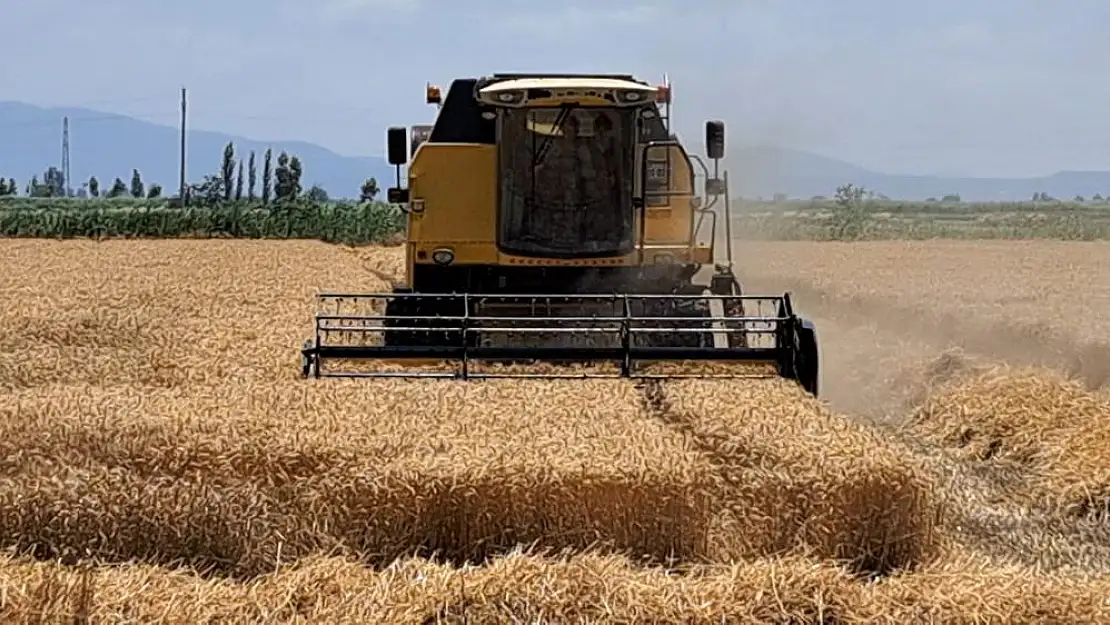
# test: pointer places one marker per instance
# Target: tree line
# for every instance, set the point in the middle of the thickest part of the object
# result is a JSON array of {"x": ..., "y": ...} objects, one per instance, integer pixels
[{"x": 236, "y": 180}]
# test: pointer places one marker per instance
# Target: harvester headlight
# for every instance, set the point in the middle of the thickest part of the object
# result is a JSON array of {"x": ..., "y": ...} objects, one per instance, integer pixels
[
  {"x": 632, "y": 95},
  {"x": 443, "y": 256},
  {"x": 664, "y": 259}
]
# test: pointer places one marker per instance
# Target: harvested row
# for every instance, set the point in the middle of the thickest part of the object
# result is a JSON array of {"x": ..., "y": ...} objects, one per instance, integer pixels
[
  {"x": 233, "y": 479},
  {"x": 1051, "y": 426},
  {"x": 237, "y": 477},
  {"x": 524, "y": 588},
  {"x": 796, "y": 474}
]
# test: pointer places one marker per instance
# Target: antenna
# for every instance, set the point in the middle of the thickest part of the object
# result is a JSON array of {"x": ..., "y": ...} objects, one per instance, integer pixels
[
  {"x": 667, "y": 104},
  {"x": 65, "y": 157}
]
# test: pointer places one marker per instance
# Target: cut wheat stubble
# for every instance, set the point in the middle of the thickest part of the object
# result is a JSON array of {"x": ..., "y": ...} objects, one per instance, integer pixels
[
  {"x": 1047, "y": 425},
  {"x": 797, "y": 476},
  {"x": 462, "y": 470},
  {"x": 587, "y": 588},
  {"x": 584, "y": 588}
]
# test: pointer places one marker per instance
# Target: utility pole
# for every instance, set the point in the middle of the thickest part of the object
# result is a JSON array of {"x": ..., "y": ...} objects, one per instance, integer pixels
[
  {"x": 181, "y": 185},
  {"x": 65, "y": 158}
]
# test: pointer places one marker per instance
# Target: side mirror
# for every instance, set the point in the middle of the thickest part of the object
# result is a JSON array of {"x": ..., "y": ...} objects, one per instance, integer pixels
[
  {"x": 397, "y": 144},
  {"x": 715, "y": 139},
  {"x": 714, "y": 187}
]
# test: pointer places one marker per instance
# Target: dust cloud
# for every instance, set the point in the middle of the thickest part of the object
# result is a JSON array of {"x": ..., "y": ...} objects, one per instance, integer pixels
[{"x": 876, "y": 354}]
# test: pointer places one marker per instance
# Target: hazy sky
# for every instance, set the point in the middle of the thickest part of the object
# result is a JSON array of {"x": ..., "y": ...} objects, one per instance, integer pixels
[{"x": 1013, "y": 87}]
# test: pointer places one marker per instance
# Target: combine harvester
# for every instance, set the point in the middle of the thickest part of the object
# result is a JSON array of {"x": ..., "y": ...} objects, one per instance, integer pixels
[{"x": 555, "y": 219}]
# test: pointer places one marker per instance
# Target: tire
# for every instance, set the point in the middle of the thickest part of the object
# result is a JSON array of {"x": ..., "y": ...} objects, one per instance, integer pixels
[{"x": 807, "y": 362}]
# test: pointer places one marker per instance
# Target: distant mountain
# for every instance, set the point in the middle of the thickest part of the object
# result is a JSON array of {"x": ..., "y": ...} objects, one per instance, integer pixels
[
  {"x": 108, "y": 146},
  {"x": 762, "y": 171}
]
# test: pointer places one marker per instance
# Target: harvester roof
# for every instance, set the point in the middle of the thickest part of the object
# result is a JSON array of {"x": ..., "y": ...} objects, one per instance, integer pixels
[
  {"x": 556, "y": 91},
  {"x": 582, "y": 82}
]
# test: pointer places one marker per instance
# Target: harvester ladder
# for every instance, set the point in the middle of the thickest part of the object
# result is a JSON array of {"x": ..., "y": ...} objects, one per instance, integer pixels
[{"x": 717, "y": 311}]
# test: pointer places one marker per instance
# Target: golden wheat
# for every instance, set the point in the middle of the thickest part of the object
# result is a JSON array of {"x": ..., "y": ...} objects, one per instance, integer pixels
[
  {"x": 521, "y": 588},
  {"x": 967, "y": 591},
  {"x": 797, "y": 474},
  {"x": 236, "y": 477},
  {"x": 168, "y": 424},
  {"x": 1039, "y": 286},
  {"x": 1050, "y": 424},
  {"x": 153, "y": 411}
]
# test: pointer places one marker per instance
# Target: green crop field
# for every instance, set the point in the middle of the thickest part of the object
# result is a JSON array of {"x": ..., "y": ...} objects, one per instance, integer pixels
[
  {"x": 64, "y": 218},
  {"x": 891, "y": 220},
  {"x": 375, "y": 222}
]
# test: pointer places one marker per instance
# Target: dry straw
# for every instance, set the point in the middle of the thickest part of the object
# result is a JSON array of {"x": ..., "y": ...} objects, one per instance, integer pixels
[
  {"x": 521, "y": 588},
  {"x": 238, "y": 477},
  {"x": 1050, "y": 425},
  {"x": 967, "y": 591},
  {"x": 153, "y": 411},
  {"x": 515, "y": 589},
  {"x": 795, "y": 474}
]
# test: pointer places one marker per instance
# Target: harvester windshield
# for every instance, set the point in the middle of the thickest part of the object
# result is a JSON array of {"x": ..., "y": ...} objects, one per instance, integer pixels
[{"x": 567, "y": 181}]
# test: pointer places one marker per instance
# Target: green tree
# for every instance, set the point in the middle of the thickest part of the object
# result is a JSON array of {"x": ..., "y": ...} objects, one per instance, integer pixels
[
  {"x": 252, "y": 177},
  {"x": 227, "y": 170},
  {"x": 53, "y": 183},
  {"x": 94, "y": 187},
  {"x": 316, "y": 193},
  {"x": 137, "y": 188},
  {"x": 41, "y": 189},
  {"x": 119, "y": 189},
  {"x": 208, "y": 191},
  {"x": 239, "y": 183},
  {"x": 13, "y": 188},
  {"x": 283, "y": 187},
  {"x": 154, "y": 191},
  {"x": 295, "y": 173},
  {"x": 850, "y": 212},
  {"x": 267, "y": 176},
  {"x": 369, "y": 190}
]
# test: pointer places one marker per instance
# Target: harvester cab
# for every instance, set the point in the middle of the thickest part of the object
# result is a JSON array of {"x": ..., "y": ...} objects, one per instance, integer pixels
[{"x": 556, "y": 219}]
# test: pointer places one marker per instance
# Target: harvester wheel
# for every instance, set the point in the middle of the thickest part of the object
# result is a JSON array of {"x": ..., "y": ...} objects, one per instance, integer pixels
[{"x": 807, "y": 361}]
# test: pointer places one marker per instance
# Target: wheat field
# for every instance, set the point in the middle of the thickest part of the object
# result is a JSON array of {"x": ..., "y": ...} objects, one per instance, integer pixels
[{"x": 162, "y": 461}]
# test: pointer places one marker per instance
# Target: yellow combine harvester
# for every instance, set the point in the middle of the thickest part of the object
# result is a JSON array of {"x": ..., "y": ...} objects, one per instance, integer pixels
[{"x": 556, "y": 219}]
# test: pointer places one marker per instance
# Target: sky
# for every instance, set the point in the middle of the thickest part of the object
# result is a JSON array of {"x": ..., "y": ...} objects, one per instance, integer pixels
[{"x": 983, "y": 88}]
